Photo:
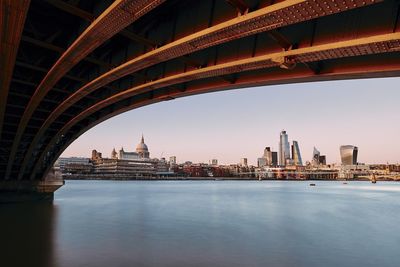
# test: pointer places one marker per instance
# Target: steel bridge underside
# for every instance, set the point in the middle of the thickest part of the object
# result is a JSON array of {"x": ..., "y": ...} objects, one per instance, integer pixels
[{"x": 66, "y": 66}]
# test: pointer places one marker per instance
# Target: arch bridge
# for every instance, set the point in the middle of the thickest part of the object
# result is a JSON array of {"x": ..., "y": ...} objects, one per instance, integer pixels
[{"x": 66, "y": 66}]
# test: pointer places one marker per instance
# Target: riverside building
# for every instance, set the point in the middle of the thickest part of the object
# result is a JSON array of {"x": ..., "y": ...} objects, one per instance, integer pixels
[
  {"x": 122, "y": 165},
  {"x": 74, "y": 165},
  {"x": 350, "y": 168},
  {"x": 129, "y": 165}
]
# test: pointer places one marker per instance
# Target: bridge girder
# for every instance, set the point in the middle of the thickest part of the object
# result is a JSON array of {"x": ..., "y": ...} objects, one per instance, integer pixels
[
  {"x": 115, "y": 18},
  {"x": 92, "y": 77}
]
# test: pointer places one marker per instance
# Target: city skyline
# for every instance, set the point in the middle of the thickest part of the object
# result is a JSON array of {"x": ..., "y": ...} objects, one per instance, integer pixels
[{"x": 241, "y": 123}]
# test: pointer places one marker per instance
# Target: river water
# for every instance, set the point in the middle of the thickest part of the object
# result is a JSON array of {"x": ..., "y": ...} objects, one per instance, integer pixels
[{"x": 206, "y": 223}]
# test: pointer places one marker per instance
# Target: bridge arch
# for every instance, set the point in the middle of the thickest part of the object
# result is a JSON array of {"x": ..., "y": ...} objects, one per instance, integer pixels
[{"x": 139, "y": 52}]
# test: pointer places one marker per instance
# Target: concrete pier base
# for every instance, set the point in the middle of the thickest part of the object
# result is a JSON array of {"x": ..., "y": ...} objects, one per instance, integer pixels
[
  {"x": 13, "y": 197},
  {"x": 20, "y": 191}
]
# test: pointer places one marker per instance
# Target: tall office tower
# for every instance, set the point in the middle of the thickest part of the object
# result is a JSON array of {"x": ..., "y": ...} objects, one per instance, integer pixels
[
  {"x": 284, "y": 149},
  {"x": 266, "y": 151},
  {"x": 214, "y": 162},
  {"x": 296, "y": 156},
  {"x": 348, "y": 153},
  {"x": 274, "y": 159},
  {"x": 315, "y": 157},
  {"x": 268, "y": 156},
  {"x": 243, "y": 161}
]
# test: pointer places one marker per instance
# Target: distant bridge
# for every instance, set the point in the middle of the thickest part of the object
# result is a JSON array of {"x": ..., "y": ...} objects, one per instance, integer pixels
[{"x": 66, "y": 66}]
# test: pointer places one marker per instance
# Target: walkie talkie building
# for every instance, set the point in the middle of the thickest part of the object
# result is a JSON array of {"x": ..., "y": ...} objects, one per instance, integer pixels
[{"x": 348, "y": 154}]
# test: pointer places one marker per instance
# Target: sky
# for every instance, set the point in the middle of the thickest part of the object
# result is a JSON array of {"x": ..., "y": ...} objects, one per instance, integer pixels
[{"x": 235, "y": 124}]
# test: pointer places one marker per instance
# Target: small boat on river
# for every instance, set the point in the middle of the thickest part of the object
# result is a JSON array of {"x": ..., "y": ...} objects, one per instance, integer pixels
[{"x": 373, "y": 178}]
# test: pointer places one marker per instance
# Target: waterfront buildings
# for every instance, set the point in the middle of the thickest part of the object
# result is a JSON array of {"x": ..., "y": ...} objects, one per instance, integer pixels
[
  {"x": 214, "y": 162},
  {"x": 62, "y": 162},
  {"x": 127, "y": 165},
  {"x": 123, "y": 165},
  {"x": 123, "y": 169},
  {"x": 388, "y": 168},
  {"x": 172, "y": 160},
  {"x": 348, "y": 154},
  {"x": 74, "y": 165},
  {"x": 350, "y": 167}
]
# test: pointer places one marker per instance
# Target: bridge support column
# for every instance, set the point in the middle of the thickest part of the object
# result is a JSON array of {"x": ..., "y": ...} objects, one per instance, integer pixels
[{"x": 20, "y": 191}]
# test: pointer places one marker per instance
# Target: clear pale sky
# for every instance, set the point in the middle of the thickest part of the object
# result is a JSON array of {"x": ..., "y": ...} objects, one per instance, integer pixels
[{"x": 233, "y": 124}]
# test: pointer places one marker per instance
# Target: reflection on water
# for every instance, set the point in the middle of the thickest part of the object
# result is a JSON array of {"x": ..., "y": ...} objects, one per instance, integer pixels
[
  {"x": 27, "y": 234},
  {"x": 207, "y": 223}
]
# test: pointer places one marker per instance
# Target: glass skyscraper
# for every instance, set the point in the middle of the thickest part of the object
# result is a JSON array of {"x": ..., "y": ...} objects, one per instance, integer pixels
[
  {"x": 348, "y": 154},
  {"x": 296, "y": 154},
  {"x": 315, "y": 157},
  {"x": 284, "y": 149}
]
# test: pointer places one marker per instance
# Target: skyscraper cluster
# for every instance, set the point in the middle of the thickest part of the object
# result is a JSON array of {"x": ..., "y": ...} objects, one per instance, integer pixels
[
  {"x": 285, "y": 157},
  {"x": 289, "y": 155}
]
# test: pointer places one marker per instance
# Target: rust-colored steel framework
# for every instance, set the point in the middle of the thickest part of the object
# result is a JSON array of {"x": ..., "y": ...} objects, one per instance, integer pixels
[{"x": 66, "y": 66}]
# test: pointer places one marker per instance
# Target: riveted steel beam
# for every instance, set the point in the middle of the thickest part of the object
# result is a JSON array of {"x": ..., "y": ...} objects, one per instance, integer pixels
[
  {"x": 61, "y": 50},
  {"x": 71, "y": 9}
]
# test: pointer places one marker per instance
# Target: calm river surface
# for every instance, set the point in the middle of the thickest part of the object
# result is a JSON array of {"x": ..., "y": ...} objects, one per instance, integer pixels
[{"x": 206, "y": 223}]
